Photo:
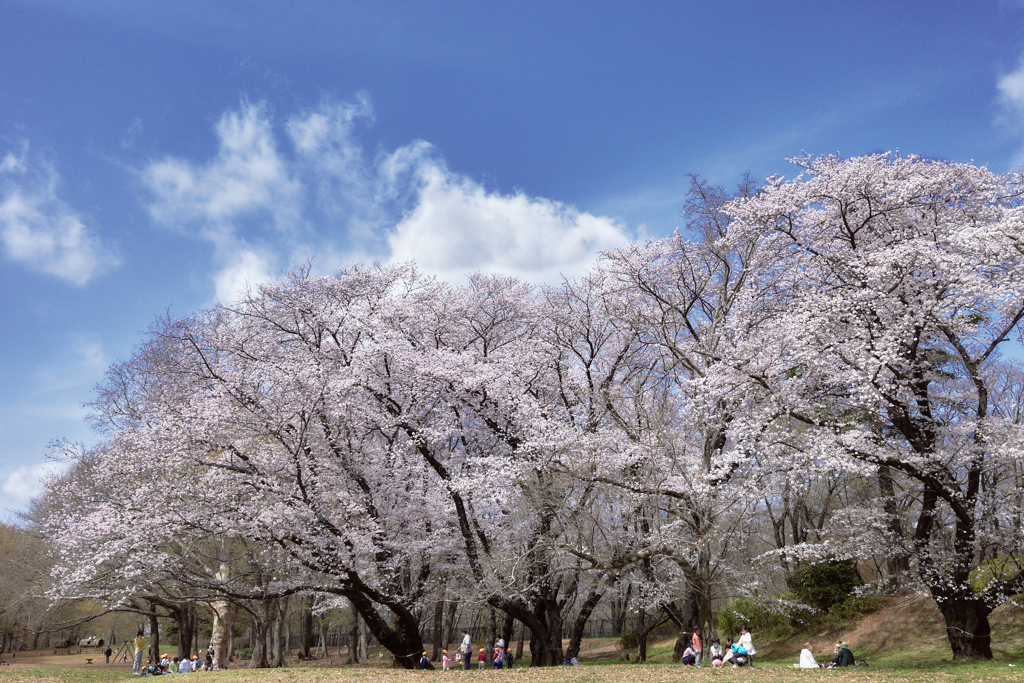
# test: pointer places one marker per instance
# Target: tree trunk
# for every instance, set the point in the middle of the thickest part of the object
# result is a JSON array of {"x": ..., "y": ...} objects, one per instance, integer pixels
[
  {"x": 229, "y": 651},
  {"x": 967, "y": 627},
  {"x": 286, "y": 639},
  {"x": 183, "y": 617},
  {"x": 275, "y": 653},
  {"x": 403, "y": 640},
  {"x": 220, "y": 633},
  {"x": 438, "y": 630},
  {"x": 641, "y": 635},
  {"x": 322, "y": 647},
  {"x": 896, "y": 563},
  {"x": 576, "y": 636},
  {"x": 492, "y": 637},
  {"x": 353, "y": 639},
  {"x": 363, "y": 648},
  {"x": 307, "y": 628},
  {"x": 507, "y": 628},
  {"x": 519, "y": 645},
  {"x": 449, "y": 625},
  {"x": 260, "y": 628},
  {"x": 154, "y": 645},
  {"x": 546, "y": 639}
]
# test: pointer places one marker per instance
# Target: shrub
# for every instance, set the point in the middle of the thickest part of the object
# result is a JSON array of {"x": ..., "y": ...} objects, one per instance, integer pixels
[
  {"x": 855, "y": 606},
  {"x": 826, "y": 583},
  {"x": 629, "y": 641},
  {"x": 764, "y": 617}
]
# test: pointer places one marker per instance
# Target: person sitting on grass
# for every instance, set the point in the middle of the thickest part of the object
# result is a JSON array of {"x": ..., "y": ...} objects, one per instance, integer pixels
[
  {"x": 185, "y": 666},
  {"x": 807, "y": 658},
  {"x": 740, "y": 657},
  {"x": 844, "y": 657},
  {"x": 715, "y": 651}
]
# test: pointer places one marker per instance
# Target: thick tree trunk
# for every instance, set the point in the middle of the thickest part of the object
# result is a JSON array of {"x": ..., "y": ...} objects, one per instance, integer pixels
[
  {"x": 307, "y": 628},
  {"x": 183, "y": 617},
  {"x": 967, "y": 627},
  {"x": 260, "y": 627},
  {"x": 277, "y": 610},
  {"x": 220, "y": 633},
  {"x": 403, "y": 640},
  {"x": 154, "y": 644},
  {"x": 353, "y": 639},
  {"x": 576, "y": 636},
  {"x": 507, "y": 627},
  {"x": 685, "y": 617},
  {"x": 546, "y": 640}
]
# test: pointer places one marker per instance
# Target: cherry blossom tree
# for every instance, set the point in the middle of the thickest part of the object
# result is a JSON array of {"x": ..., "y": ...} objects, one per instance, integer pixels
[{"x": 899, "y": 278}]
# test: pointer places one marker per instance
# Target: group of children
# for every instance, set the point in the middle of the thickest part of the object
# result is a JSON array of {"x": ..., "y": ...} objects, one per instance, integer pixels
[
  {"x": 501, "y": 658},
  {"x": 739, "y": 653},
  {"x": 177, "y": 665}
]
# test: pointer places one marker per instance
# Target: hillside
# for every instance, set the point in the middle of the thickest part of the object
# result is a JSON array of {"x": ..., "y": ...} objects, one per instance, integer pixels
[{"x": 908, "y": 630}]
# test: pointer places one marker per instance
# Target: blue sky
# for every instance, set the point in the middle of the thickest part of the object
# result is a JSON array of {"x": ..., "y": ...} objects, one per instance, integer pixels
[{"x": 158, "y": 156}]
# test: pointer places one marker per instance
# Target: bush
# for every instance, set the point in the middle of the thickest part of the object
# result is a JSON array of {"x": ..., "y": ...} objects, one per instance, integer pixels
[
  {"x": 243, "y": 654},
  {"x": 855, "y": 606},
  {"x": 629, "y": 641},
  {"x": 764, "y": 617},
  {"x": 826, "y": 583}
]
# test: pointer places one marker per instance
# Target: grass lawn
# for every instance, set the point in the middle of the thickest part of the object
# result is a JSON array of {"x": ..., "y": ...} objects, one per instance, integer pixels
[
  {"x": 904, "y": 643},
  {"x": 605, "y": 673}
]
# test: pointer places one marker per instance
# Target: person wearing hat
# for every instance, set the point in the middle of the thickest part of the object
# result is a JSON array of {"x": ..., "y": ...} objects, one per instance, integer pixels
[
  {"x": 844, "y": 657},
  {"x": 445, "y": 660},
  {"x": 481, "y": 660},
  {"x": 424, "y": 661}
]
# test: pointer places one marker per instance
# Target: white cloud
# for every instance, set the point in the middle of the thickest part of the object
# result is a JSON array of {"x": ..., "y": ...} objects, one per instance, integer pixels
[
  {"x": 23, "y": 484},
  {"x": 1011, "y": 89},
  {"x": 1011, "y": 99},
  {"x": 457, "y": 226},
  {"x": 261, "y": 204},
  {"x": 247, "y": 178},
  {"x": 246, "y": 270},
  {"x": 40, "y": 230}
]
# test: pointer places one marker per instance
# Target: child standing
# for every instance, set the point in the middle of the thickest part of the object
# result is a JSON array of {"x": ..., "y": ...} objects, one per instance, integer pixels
[
  {"x": 445, "y": 661},
  {"x": 481, "y": 660},
  {"x": 499, "y": 658},
  {"x": 424, "y": 662}
]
